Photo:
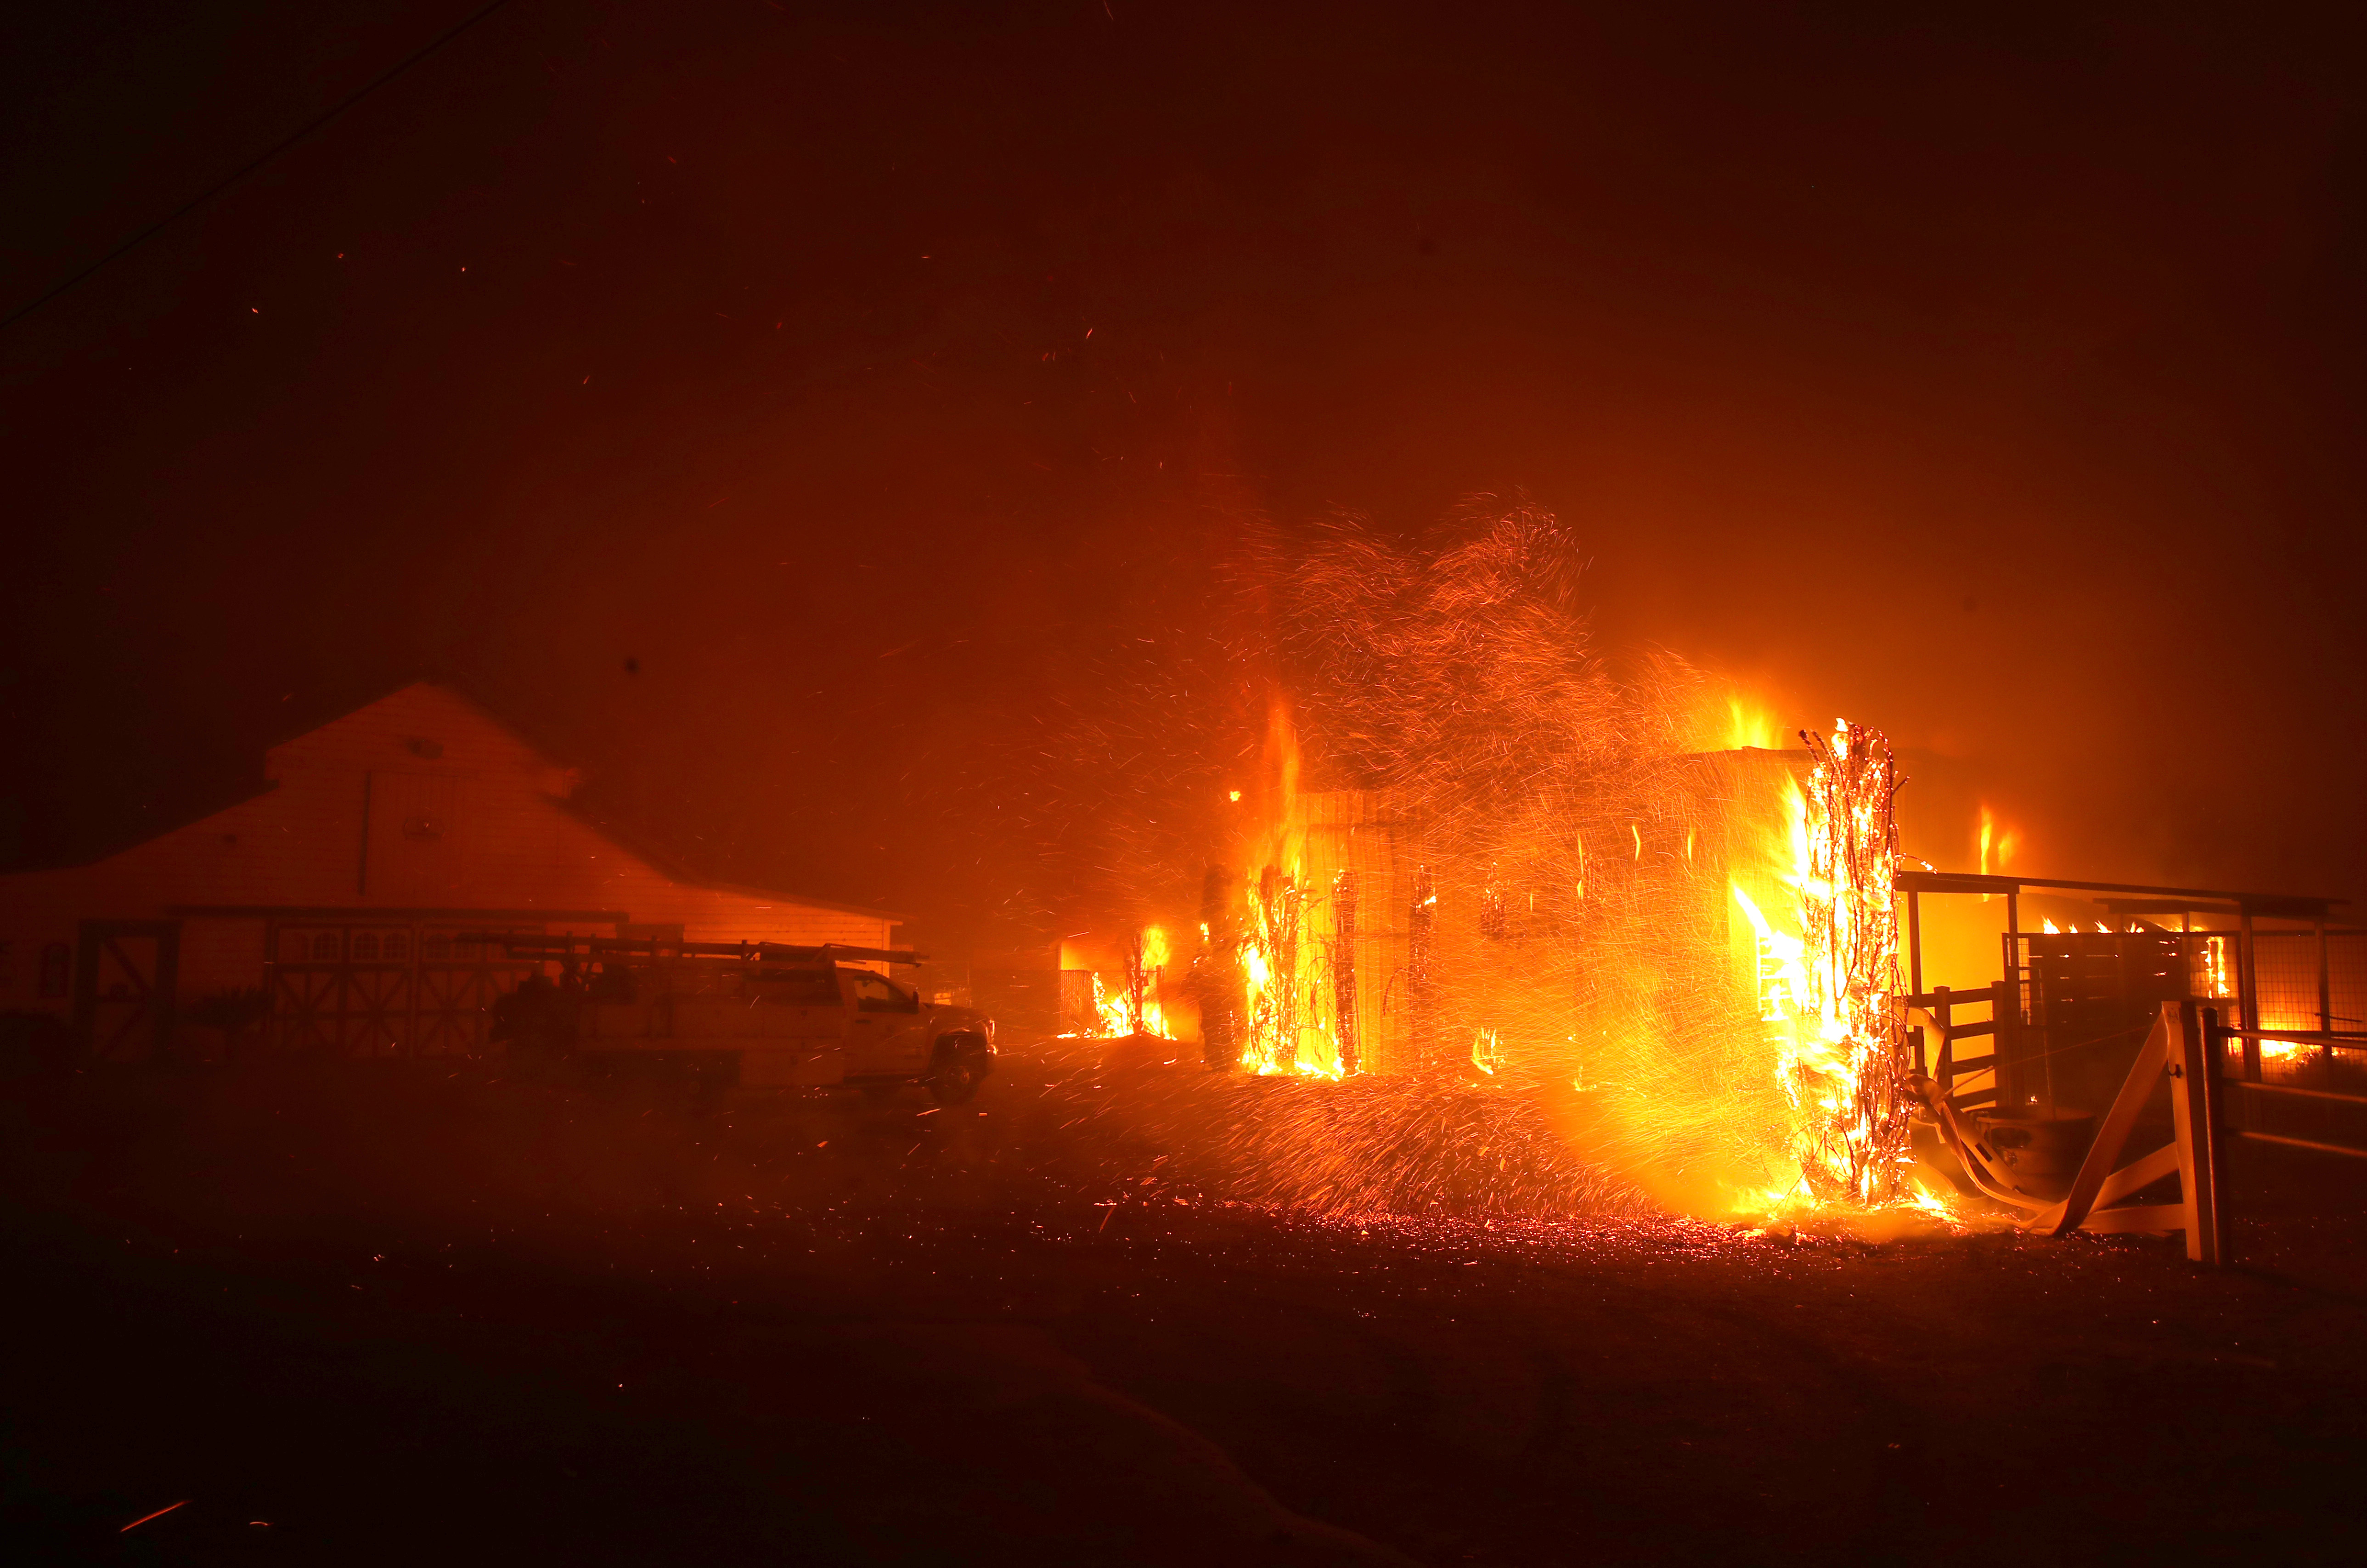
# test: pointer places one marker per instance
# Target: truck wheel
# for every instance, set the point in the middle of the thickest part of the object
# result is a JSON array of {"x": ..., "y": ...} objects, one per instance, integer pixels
[{"x": 953, "y": 1077}]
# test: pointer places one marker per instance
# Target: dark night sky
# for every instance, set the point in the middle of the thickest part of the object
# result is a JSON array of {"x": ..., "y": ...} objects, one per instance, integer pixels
[{"x": 1997, "y": 381}]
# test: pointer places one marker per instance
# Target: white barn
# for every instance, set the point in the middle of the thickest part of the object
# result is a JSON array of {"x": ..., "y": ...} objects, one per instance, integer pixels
[{"x": 343, "y": 889}]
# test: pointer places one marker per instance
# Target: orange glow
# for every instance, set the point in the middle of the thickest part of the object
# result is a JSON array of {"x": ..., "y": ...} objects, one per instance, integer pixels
[
  {"x": 2287, "y": 1058},
  {"x": 1997, "y": 846},
  {"x": 1134, "y": 1008},
  {"x": 1751, "y": 723}
]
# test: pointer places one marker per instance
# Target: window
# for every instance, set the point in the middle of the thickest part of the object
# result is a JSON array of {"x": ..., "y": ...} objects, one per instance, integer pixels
[
  {"x": 395, "y": 947},
  {"x": 436, "y": 946},
  {"x": 363, "y": 949},
  {"x": 324, "y": 946},
  {"x": 875, "y": 993},
  {"x": 57, "y": 968}
]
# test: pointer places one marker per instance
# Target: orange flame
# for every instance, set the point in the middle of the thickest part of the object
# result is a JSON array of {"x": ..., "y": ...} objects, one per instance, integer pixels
[
  {"x": 1279, "y": 949},
  {"x": 1748, "y": 723},
  {"x": 1135, "y": 1008},
  {"x": 1995, "y": 846},
  {"x": 1826, "y": 993}
]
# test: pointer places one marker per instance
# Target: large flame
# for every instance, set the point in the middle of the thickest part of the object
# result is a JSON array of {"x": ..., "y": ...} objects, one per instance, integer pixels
[
  {"x": 1278, "y": 951},
  {"x": 1136, "y": 1010},
  {"x": 1825, "y": 993},
  {"x": 1751, "y": 723},
  {"x": 1132, "y": 1009}
]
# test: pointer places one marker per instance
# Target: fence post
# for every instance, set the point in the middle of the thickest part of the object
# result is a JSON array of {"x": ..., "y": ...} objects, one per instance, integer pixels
[
  {"x": 1915, "y": 943},
  {"x": 1945, "y": 1076},
  {"x": 2324, "y": 1002},
  {"x": 2246, "y": 969},
  {"x": 2190, "y": 1105},
  {"x": 2214, "y": 1071},
  {"x": 2005, "y": 1030}
]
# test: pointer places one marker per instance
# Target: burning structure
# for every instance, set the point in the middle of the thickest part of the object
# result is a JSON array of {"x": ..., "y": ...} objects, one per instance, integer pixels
[
  {"x": 1477, "y": 888},
  {"x": 1520, "y": 870}
]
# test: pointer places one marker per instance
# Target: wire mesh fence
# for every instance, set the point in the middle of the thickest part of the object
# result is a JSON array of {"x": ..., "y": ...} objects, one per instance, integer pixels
[
  {"x": 2085, "y": 1000},
  {"x": 2308, "y": 980}
]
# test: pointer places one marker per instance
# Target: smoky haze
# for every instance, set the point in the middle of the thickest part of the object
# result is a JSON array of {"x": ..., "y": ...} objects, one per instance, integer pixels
[{"x": 839, "y": 428}]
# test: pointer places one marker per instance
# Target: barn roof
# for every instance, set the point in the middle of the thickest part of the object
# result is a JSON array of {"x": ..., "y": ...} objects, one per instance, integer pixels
[{"x": 445, "y": 714}]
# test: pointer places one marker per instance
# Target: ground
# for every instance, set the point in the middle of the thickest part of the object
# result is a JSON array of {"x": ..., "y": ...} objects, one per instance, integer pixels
[{"x": 371, "y": 1313}]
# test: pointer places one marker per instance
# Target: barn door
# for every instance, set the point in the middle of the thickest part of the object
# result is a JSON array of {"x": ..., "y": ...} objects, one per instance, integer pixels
[
  {"x": 123, "y": 988},
  {"x": 458, "y": 984},
  {"x": 344, "y": 991}
]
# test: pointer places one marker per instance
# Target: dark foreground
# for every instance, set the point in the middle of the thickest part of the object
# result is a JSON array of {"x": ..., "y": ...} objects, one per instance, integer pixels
[{"x": 395, "y": 1317}]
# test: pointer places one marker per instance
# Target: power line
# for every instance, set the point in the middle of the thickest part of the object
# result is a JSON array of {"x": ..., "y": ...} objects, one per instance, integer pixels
[{"x": 252, "y": 164}]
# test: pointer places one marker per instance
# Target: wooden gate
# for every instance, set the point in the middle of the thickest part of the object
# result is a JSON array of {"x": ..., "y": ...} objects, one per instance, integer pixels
[
  {"x": 365, "y": 989},
  {"x": 123, "y": 988}
]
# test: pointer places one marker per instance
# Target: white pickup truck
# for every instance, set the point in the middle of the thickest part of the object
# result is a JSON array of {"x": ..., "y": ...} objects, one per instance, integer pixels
[{"x": 760, "y": 1015}]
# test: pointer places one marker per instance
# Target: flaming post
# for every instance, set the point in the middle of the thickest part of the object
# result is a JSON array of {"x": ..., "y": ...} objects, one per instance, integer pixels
[
  {"x": 1137, "y": 985},
  {"x": 1274, "y": 1028},
  {"x": 1847, "y": 1074}
]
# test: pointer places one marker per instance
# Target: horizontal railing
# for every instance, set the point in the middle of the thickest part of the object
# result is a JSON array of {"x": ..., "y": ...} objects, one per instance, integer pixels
[{"x": 2326, "y": 1120}]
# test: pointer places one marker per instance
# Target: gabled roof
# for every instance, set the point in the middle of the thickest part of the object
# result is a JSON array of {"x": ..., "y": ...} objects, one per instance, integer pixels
[
  {"x": 661, "y": 861},
  {"x": 423, "y": 725}
]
